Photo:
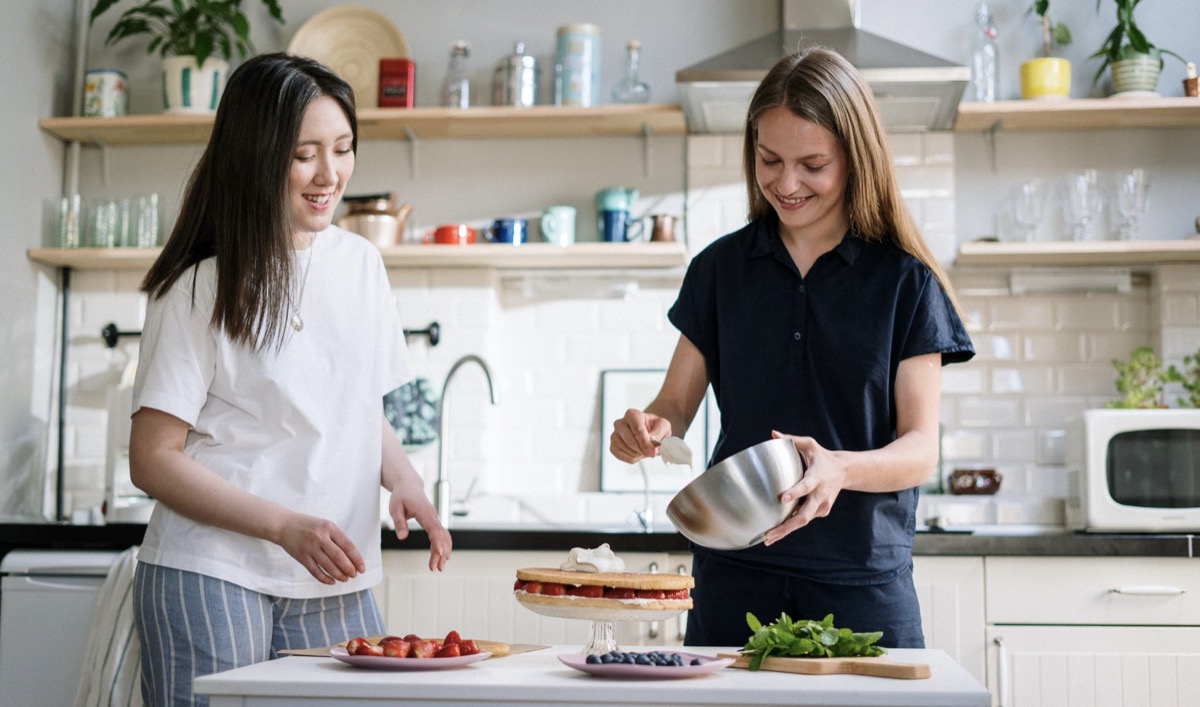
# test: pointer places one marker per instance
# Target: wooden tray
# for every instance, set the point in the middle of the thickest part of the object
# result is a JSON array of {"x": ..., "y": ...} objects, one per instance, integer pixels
[{"x": 876, "y": 667}]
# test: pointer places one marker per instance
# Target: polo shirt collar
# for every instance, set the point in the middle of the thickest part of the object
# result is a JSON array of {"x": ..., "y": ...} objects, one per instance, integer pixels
[{"x": 767, "y": 242}]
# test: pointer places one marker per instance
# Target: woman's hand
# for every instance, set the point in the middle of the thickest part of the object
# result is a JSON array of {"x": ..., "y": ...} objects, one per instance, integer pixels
[
  {"x": 412, "y": 503},
  {"x": 824, "y": 478},
  {"x": 321, "y": 546},
  {"x": 634, "y": 435}
]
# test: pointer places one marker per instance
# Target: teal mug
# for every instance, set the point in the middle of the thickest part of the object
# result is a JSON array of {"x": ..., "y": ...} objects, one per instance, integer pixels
[{"x": 558, "y": 225}]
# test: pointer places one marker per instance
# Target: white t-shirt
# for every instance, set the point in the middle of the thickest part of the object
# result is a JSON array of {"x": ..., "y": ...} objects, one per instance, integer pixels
[{"x": 300, "y": 425}]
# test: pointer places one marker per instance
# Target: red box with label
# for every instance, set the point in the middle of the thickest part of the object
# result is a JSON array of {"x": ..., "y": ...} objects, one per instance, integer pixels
[{"x": 396, "y": 83}]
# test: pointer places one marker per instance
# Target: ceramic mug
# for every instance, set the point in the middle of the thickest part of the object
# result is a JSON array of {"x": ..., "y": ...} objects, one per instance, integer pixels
[
  {"x": 663, "y": 227},
  {"x": 558, "y": 225},
  {"x": 450, "y": 234},
  {"x": 509, "y": 231},
  {"x": 615, "y": 226}
]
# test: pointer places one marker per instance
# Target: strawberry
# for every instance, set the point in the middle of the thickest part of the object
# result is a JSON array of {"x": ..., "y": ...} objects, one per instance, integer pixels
[
  {"x": 371, "y": 650},
  {"x": 618, "y": 593},
  {"x": 355, "y": 645},
  {"x": 424, "y": 649},
  {"x": 677, "y": 594},
  {"x": 651, "y": 594},
  {"x": 452, "y": 637},
  {"x": 468, "y": 647},
  {"x": 533, "y": 587},
  {"x": 518, "y": 585},
  {"x": 398, "y": 648},
  {"x": 586, "y": 590},
  {"x": 449, "y": 651},
  {"x": 553, "y": 589},
  {"x": 412, "y": 638}
]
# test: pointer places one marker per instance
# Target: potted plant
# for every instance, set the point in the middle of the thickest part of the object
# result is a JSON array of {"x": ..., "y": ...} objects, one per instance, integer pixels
[
  {"x": 196, "y": 39},
  {"x": 1047, "y": 76},
  {"x": 1141, "y": 379},
  {"x": 1135, "y": 61},
  {"x": 1189, "y": 379}
]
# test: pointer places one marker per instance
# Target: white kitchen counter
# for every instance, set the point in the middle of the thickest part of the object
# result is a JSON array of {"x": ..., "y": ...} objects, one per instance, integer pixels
[{"x": 539, "y": 678}]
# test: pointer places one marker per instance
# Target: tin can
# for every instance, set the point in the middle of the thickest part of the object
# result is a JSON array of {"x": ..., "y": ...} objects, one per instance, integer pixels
[
  {"x": 105, "y": 93},
  {"x": 396, "y": 81},
  {"x": 516, "y": 79},
  {"x": 577, "y": 66}
]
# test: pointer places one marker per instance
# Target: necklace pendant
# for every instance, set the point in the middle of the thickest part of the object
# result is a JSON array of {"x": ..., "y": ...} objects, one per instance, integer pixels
[{"x": 297, "y": 322}]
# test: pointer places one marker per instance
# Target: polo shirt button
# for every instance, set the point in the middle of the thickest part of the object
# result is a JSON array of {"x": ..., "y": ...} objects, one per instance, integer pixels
[
  {"x": 802, "y": 289},
  {"x": 796, "y": 335}
]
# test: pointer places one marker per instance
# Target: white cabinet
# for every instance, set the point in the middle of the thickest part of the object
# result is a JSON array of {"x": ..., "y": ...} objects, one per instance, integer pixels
[
  {"x": 1093, "y": 631},
  {"x": 474, "y": 595},
  {"x": 950, "y": 591}
]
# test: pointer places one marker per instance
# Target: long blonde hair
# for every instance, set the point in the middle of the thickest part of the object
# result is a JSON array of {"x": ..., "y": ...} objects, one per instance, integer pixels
[{"x": 819, "y": 85}]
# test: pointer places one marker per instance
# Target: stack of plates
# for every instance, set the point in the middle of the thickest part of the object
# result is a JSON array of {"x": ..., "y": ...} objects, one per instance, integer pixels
[{"x": 350, "y": 41}]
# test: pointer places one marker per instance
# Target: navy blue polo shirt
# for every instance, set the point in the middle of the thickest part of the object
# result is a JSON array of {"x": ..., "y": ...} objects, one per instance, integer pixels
[{"x": 817, "y": 356}]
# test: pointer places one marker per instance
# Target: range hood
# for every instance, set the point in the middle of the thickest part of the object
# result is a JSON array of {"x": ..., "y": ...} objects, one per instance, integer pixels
[{"x": 915, "y": 91}]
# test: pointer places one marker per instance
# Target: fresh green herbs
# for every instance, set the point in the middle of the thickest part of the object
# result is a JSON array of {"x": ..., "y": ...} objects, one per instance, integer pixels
[{"x": 806, "y": 639}]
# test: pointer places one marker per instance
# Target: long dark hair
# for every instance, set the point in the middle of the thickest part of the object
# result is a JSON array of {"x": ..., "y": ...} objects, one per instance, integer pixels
[
  {"x": 819, "y": 85},
  {"x": 235, "y": 206}
]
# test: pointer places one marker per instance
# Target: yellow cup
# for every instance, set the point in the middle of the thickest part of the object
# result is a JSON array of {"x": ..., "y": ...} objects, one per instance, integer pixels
[{"x": 1046, "y": 78}]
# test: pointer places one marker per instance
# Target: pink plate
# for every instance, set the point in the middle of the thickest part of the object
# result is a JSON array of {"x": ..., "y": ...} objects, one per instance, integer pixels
[
  {"x": 708, "y": 664},
  {"x": 377, "y": 662}
]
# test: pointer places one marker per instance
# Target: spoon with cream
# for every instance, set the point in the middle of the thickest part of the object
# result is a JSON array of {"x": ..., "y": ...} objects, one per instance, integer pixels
[{"x": 675, "y": 451}]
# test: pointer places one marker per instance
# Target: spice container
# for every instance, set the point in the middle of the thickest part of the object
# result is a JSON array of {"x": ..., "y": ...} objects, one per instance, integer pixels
[
  {"x": 516, "y": 79},
  {"x": 577, "y": 66},
  {"x": 396, "y": 81},
  {"x": 1190, "y": 87}
]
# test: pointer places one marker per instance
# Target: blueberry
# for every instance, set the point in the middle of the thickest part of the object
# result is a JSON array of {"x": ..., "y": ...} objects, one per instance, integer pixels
[
  {"x": 695, "y": 661},
  {"x": 606, "y": 658},
  {"x": 594, "y": 659}
]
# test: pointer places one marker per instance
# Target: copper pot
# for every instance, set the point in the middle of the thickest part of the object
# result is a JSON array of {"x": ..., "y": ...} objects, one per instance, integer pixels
[{"x": 376, "y": 218}]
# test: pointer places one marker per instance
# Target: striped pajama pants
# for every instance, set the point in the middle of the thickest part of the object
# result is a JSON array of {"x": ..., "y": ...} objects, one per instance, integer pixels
[{"x": 191, "y": 625}]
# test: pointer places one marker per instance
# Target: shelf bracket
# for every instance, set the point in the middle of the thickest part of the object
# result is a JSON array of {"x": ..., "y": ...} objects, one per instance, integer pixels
[
  {"x": 989, "y": 138},
  {"x": 646, "y": 161},
  {"x": 412, "y": 150}
]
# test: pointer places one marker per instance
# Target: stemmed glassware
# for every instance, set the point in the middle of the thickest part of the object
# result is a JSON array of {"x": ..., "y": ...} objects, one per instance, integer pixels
[
  {"x": 1083, "y": 203},
  {"x": 1132, "y": 188},
  {"x": 1028, "y": 198}
]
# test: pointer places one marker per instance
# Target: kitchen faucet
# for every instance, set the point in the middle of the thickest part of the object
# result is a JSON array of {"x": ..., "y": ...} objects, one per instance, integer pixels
[
  {"x": 645, "y": 515},
  {"x": 441, "y": 489}
]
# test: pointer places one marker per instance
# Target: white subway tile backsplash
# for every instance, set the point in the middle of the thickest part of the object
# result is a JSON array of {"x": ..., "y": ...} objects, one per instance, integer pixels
[
  {"x": 1052, "y": 348},
  {"x": 1182, "y": 309},
  {"x": 1024, "y": 314},
  {"x": 1103, "y": 348},
  {"x": 705, "y": 151},
  {"x": 990, "y": 411},
  {"x": 995, "y": 347},
  {"x": 963, "y": 379},
  {"x": 907, "y": 149},
  {"x": 1052, "y": 413},
  {"x": 1086, "y": 379},
  {"x": 963, "y": 445},
  {"x": 939, "y": 148},
  {"x": 1099, "y": 313},
  {"x": 1027, "y": 380},
  {"x": 1014, "y": 445}
]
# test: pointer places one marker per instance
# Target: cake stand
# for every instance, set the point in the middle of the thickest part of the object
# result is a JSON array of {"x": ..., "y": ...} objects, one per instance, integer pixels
[{"x": 601, "y": 638}]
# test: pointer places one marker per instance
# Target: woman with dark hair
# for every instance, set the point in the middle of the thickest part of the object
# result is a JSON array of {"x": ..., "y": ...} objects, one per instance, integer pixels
[
  {"x": 270, "y": 339},
  {"x": 825, "y": 320}
]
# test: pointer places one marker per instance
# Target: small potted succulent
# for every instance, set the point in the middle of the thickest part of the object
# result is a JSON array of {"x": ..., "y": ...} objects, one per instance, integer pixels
[
  {"x": 1134, "y": 61},
  {"x": 196, "y": 39},
  {"x": 1047, "y": 77}
]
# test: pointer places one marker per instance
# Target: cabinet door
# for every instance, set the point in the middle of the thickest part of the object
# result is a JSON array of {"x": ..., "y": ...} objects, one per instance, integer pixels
[
  {"x": 950, "y": 590},
  {"x": 673, "y": 630},
  {"x": 1100, "y": 666},
  {"x": 474, "y": 595}
]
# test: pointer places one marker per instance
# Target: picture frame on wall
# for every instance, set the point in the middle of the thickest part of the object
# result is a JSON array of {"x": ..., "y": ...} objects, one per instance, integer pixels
[{"x": 621, "y": 389}]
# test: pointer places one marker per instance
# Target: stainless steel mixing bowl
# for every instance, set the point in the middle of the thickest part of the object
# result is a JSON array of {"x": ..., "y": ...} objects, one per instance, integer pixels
[{"x": 732, "y": 504}]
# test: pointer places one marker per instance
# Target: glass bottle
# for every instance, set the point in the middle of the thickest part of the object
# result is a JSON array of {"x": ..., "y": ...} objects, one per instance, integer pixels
[
  {"x": 985, "y": 75},
  {"x": 631, "y": 89},
  {"x": 456, "y": 90}
]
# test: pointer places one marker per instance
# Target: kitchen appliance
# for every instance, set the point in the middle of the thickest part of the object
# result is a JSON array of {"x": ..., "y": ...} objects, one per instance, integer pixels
[
  {"x": 1133, "y": 471},
  {"x": 915, "y": 91},
  {"x": 736, "y": 501},
  {"x": 375, "y": 217},
  {"x": 46, "y": 601}
]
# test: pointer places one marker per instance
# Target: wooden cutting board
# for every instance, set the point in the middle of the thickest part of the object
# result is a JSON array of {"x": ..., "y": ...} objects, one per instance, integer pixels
[{"x": 876, "y": 667}]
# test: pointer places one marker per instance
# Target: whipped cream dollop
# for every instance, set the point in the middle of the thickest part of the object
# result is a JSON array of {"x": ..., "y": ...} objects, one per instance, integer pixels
[
  {"x": 600, "y": 559},
  {"x": 675, "y": 451}
]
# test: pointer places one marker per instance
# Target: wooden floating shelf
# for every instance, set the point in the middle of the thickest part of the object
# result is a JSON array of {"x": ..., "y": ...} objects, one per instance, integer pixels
[
  {"x": 398, "y": 123},
  {"x": 1079, "y": 114},
  {"x": 530, "y": 256},
  {"x": 1095, "y": 253}
]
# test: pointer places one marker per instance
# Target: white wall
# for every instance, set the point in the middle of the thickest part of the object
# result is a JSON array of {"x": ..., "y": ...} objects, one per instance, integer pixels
[{"x": 546, "y": 351}]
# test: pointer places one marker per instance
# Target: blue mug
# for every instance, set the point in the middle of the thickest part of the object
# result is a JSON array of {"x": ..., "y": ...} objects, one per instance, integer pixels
[
  {"x": 616, "y": 226},
  {"x": 510, "y": 231}
]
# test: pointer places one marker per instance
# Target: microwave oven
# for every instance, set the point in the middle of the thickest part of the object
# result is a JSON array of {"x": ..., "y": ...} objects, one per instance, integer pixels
[{"x": 1133, "y": 471}]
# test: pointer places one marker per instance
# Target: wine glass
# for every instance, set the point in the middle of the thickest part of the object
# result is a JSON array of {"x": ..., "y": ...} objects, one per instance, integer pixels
[
  {"x": 1028, "y": 198},
  {"x": 1132, "y": 189},
  {"x": 1083, "y": 203}
]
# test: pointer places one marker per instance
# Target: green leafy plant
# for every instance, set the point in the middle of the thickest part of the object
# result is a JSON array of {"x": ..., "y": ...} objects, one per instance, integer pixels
[
  {"x": 1125, "y": 40},
  {"x": 187, "y": 27},
  {"x": 1141, "y": 380},
  {"x": 1189, "y": 378},
  {"x": 1053, "y": 33},
  {"x": 806, "y": 638}
]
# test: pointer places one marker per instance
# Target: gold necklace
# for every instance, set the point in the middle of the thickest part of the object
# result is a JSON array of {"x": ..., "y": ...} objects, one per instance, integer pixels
[{"x": 297, "y": 321}]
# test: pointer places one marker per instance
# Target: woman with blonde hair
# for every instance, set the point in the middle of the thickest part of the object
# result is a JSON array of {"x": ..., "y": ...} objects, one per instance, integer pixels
[{"x": 825, "y": 320}]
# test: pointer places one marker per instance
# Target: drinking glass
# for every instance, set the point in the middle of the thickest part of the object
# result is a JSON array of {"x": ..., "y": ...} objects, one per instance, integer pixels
[
  {"x": 1028, "y": 199},
  {"x": 1083, "y": 203},
  {"x": 1132, "y": 189}
]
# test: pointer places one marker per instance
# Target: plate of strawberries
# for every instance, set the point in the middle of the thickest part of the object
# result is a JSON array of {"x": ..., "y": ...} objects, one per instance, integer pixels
[{"x": 410, "y": 652}]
